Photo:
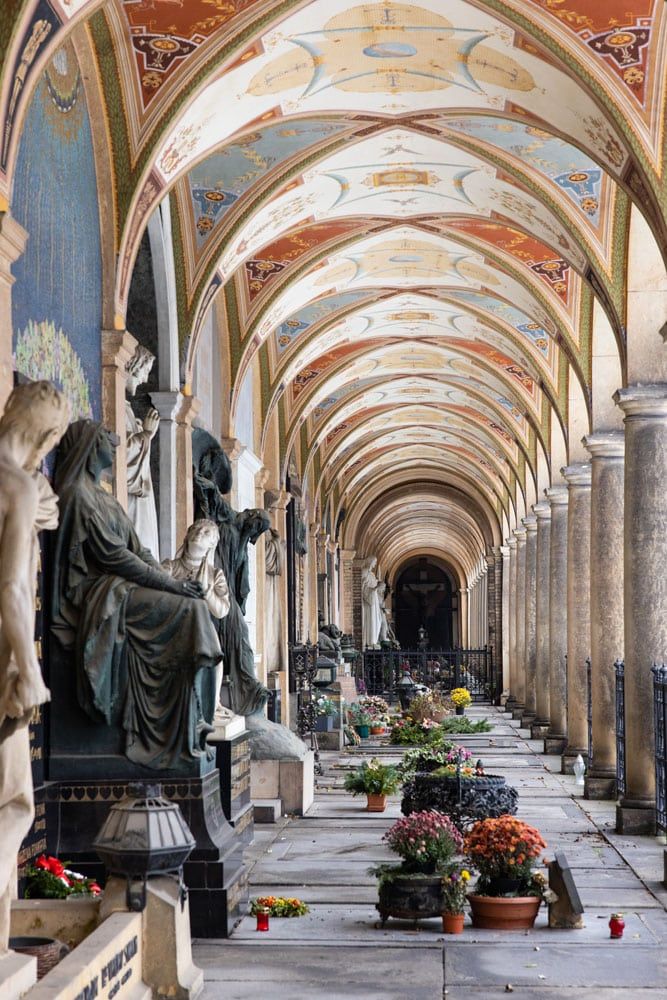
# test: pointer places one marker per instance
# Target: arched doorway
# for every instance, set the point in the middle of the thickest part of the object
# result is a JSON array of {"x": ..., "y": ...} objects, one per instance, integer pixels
[{"x": 426, "y": 594}]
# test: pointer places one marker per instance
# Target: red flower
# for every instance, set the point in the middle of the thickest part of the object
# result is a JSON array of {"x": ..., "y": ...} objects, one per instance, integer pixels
[{"x": 94, "y": 888}]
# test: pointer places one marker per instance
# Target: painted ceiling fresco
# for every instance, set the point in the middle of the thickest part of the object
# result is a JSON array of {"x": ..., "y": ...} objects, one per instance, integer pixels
[{"x": 413, "y": 212}]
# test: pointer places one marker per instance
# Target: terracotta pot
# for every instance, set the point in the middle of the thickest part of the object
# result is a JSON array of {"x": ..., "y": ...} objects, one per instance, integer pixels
[
  {"x": 376, "y": 803},
  {"x": 500, "y": 913},
  {"x": 452, "y": 923},
  {"x": 377, "y": 730}
]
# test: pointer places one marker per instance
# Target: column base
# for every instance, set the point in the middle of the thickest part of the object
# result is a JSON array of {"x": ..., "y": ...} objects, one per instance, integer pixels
[
  {"x": 554, "y": 744},
  {"x": 510, "y": 704},
  {"x": 568, "y": 758},
  {"x": 539, "y": 729},
  {"x": 635, "y": 817},
  {"x": 527, "y": 720},
  {"x": 664, "y": 878},
  {"x": 518, "y": 711},
  {"x": 600, "y": 784}
]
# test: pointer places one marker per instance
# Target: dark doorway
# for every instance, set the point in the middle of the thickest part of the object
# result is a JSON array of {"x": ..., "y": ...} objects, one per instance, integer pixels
[{"x": 425, "y": 596}]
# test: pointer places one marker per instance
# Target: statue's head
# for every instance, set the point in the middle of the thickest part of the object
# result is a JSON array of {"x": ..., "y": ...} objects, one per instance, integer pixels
[
  {"x": 215, "y": 465},
  {"x": 138, "y": 369},
  {"x": 201, "y": 538},
  {"x": 258, "y": 523},
  {"x": 37, "y": 414}
]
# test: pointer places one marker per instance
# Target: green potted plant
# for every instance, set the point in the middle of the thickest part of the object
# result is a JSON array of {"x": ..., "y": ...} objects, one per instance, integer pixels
[
  {"x": 325, "y": 711},
  {"x": 374, "y": 780},
  {"x": 360, "y": 719},
  {"x": 454, "y": 896},
  {"x": 508, "y": 892},
  {"x": 427, "y": 843},
  {"x": 378, "y": 710}
]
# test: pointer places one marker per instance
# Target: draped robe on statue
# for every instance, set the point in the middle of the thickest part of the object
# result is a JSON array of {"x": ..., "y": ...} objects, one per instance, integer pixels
[
  {"x": 141, "y": 654},
  {"x": 140, "y": 496}
]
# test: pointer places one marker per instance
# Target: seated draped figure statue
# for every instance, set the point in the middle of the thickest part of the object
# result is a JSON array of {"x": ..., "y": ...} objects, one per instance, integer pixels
[
  {"x": 144, "y": 644},
  {"x": 195, "y": 560}
]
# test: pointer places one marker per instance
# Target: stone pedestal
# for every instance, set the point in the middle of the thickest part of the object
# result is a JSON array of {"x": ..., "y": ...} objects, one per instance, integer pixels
[
  {"x": 232, "y": 758},
  {"x": 215, "y": 874},
  {"x": 558, "y": 499},
  {"x": 578, "y": 610},
  {"x": 291, "y": 781},
  {"x": 17, "y": 974},
  {"x": 607, "y": 449},
  {"x": 540, "y": 726}
]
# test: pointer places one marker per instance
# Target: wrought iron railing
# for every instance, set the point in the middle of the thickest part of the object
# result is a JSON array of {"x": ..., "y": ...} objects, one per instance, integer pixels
[
  {"x": 619, "y": 667},
  {"x": 303, "y": 668},
  {"x": 660, "y": 715},
  {"x": 441, "y": 670},
  {"x": 589, "y": 714}
]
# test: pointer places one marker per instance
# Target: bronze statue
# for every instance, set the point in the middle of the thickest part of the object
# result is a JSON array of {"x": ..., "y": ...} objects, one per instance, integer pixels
[{"x": 144, "y": 644}]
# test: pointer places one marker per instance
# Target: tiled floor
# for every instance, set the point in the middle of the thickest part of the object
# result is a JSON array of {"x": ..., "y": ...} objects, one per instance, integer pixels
[{"x": 339, "y": 950}]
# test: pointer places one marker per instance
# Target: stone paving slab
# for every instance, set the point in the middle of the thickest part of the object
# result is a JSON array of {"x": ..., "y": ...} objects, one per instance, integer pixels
[
  {"x": 542, "y": 992},
  {"x": 241, "y": 972},
  {"x": 598, "y": 966}
]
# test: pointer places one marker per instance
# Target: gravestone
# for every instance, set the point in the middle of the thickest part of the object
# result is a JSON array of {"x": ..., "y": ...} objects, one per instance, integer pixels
[{"x": 567, "y": 910}]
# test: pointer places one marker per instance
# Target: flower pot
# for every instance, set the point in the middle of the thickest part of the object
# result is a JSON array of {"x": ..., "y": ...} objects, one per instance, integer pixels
[
  {"x": 411, "y": 896},
  {"x": 452, "y": 923},
  {"x": 460, "y": 710},
  {"x": 499, "y": 913},
  {"x": 324, "y": 724},
  {"x": 363, "y": 732},
  {"x": 376, "y": 803},
  {"x": 47, "y": 951},
  {"x": 377, "y": 730}
]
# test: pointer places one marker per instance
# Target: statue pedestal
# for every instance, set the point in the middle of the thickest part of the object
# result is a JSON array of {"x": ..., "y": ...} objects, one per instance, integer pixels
[
  {"x": 215, "y": 874},
  {"x": 17, "y": 974},
  {"x": 292, "y": 781},
  {"x": 232, "y": 757}
]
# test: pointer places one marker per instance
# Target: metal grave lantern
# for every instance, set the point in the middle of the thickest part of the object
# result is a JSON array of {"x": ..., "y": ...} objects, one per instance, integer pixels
[
  {"x": 326, "y": 671},
  {"x": 406, "y": 689},
  {"x": 144, "y": 834}
]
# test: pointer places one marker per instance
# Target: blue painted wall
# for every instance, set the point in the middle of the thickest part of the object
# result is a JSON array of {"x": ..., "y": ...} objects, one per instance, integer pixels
[{"x": 57, "y": 296}]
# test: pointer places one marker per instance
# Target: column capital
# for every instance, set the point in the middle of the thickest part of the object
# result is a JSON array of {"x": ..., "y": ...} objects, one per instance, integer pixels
[
  {"x": 648, "y": 400},
  {"x": 490, "y": 558},
  {"x": 13, "y": 239},
  {"x": 557, "y": 496},
  {"x": 530, "y": 523},
  {"x": 504, "y": 551},
  {"x": 605, "y": 444},
  {"x": 118, "y": 347},
  {"x": 276, "y": 499},
  {"x": 232, "y": 447},
  {"x": 348, "y": 554},
  {"x": 511, "y": 542},
  {"x": 542, "y": 510},
  {"x": 578, "y": 474},
  {"x": 188, "y": 410},
  {"x": 520, "y": 534},
  {"x": 166, "y": 403}
]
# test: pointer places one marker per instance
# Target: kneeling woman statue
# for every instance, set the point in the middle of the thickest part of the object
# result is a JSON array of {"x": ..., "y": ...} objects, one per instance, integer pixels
[{"x": 144, "y": 644}]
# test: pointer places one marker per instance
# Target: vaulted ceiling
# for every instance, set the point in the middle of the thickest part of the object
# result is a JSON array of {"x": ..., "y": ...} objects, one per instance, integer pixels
[{"x": 412, "y": 213}]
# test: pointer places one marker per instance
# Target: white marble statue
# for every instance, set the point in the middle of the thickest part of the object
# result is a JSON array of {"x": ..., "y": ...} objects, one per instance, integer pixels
[
  {"x": 195, "y": 560},
  {"x": 371, "y": 616},
  {"x": 34, "y": 420},
  {"x": 139, "y": 437},
  {"x": 274, "y": 563}
]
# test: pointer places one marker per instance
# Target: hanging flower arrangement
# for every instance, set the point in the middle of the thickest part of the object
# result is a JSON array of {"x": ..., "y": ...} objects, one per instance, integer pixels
[{"x": 48, "y": 878}]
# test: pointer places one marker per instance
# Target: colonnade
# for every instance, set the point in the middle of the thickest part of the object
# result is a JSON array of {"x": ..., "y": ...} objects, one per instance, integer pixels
[{"x": 587, "y": 578}]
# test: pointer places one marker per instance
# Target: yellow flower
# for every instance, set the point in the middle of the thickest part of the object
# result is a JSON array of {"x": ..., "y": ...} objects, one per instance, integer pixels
[{"x": 465, "y": 875}]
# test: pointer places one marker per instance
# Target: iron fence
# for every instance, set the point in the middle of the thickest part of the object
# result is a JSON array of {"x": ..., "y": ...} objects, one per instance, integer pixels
[
  {"x": 442, "y": 671},
  {"x": 660, "y": 714},
  {"x": 589, "y": 715},
  {"x": 303, "y": 669},
  {"x": 619, "y": 667}
]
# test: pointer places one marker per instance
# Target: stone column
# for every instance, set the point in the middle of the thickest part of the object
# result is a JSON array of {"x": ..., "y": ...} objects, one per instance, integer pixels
[
  {"x": 13, "y": 239},
  {"x": 511, "y": 606},
  {"x": 578, "y": 610},
  {"x": 540, "y": 726},
  {"x": 118, "y": 346},
  {"x": 645, "y": 588},
  {"x": 519, "y": 708},
  {"x": 347, "y": 601},
  {"x": 167, "y": 404},
  {"x": 528, "y": 717},
  {"x": 555, "y": 741},
  {"x": 276, "y": 501},
  {"x": 607, "y": 449},
  {"x": 503, "y": 568},
  {"x": 464, "y": 596},
  {"x": 187, "y": 412}
]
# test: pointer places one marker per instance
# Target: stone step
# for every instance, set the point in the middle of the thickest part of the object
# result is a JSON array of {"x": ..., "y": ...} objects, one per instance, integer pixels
[{"x": 267, "y": 810}]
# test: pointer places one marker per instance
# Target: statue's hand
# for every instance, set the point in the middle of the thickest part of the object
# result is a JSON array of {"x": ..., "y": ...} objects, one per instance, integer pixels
[
  {"x": 25, "y": 694},
  {"x": 191, "y": 588},
  {"x": 151, "y": 422}
]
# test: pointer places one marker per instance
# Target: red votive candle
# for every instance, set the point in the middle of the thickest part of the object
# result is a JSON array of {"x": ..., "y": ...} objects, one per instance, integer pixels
[
  {"x": 263, "y": 918},
  {"x": 616, "y": 925}
]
